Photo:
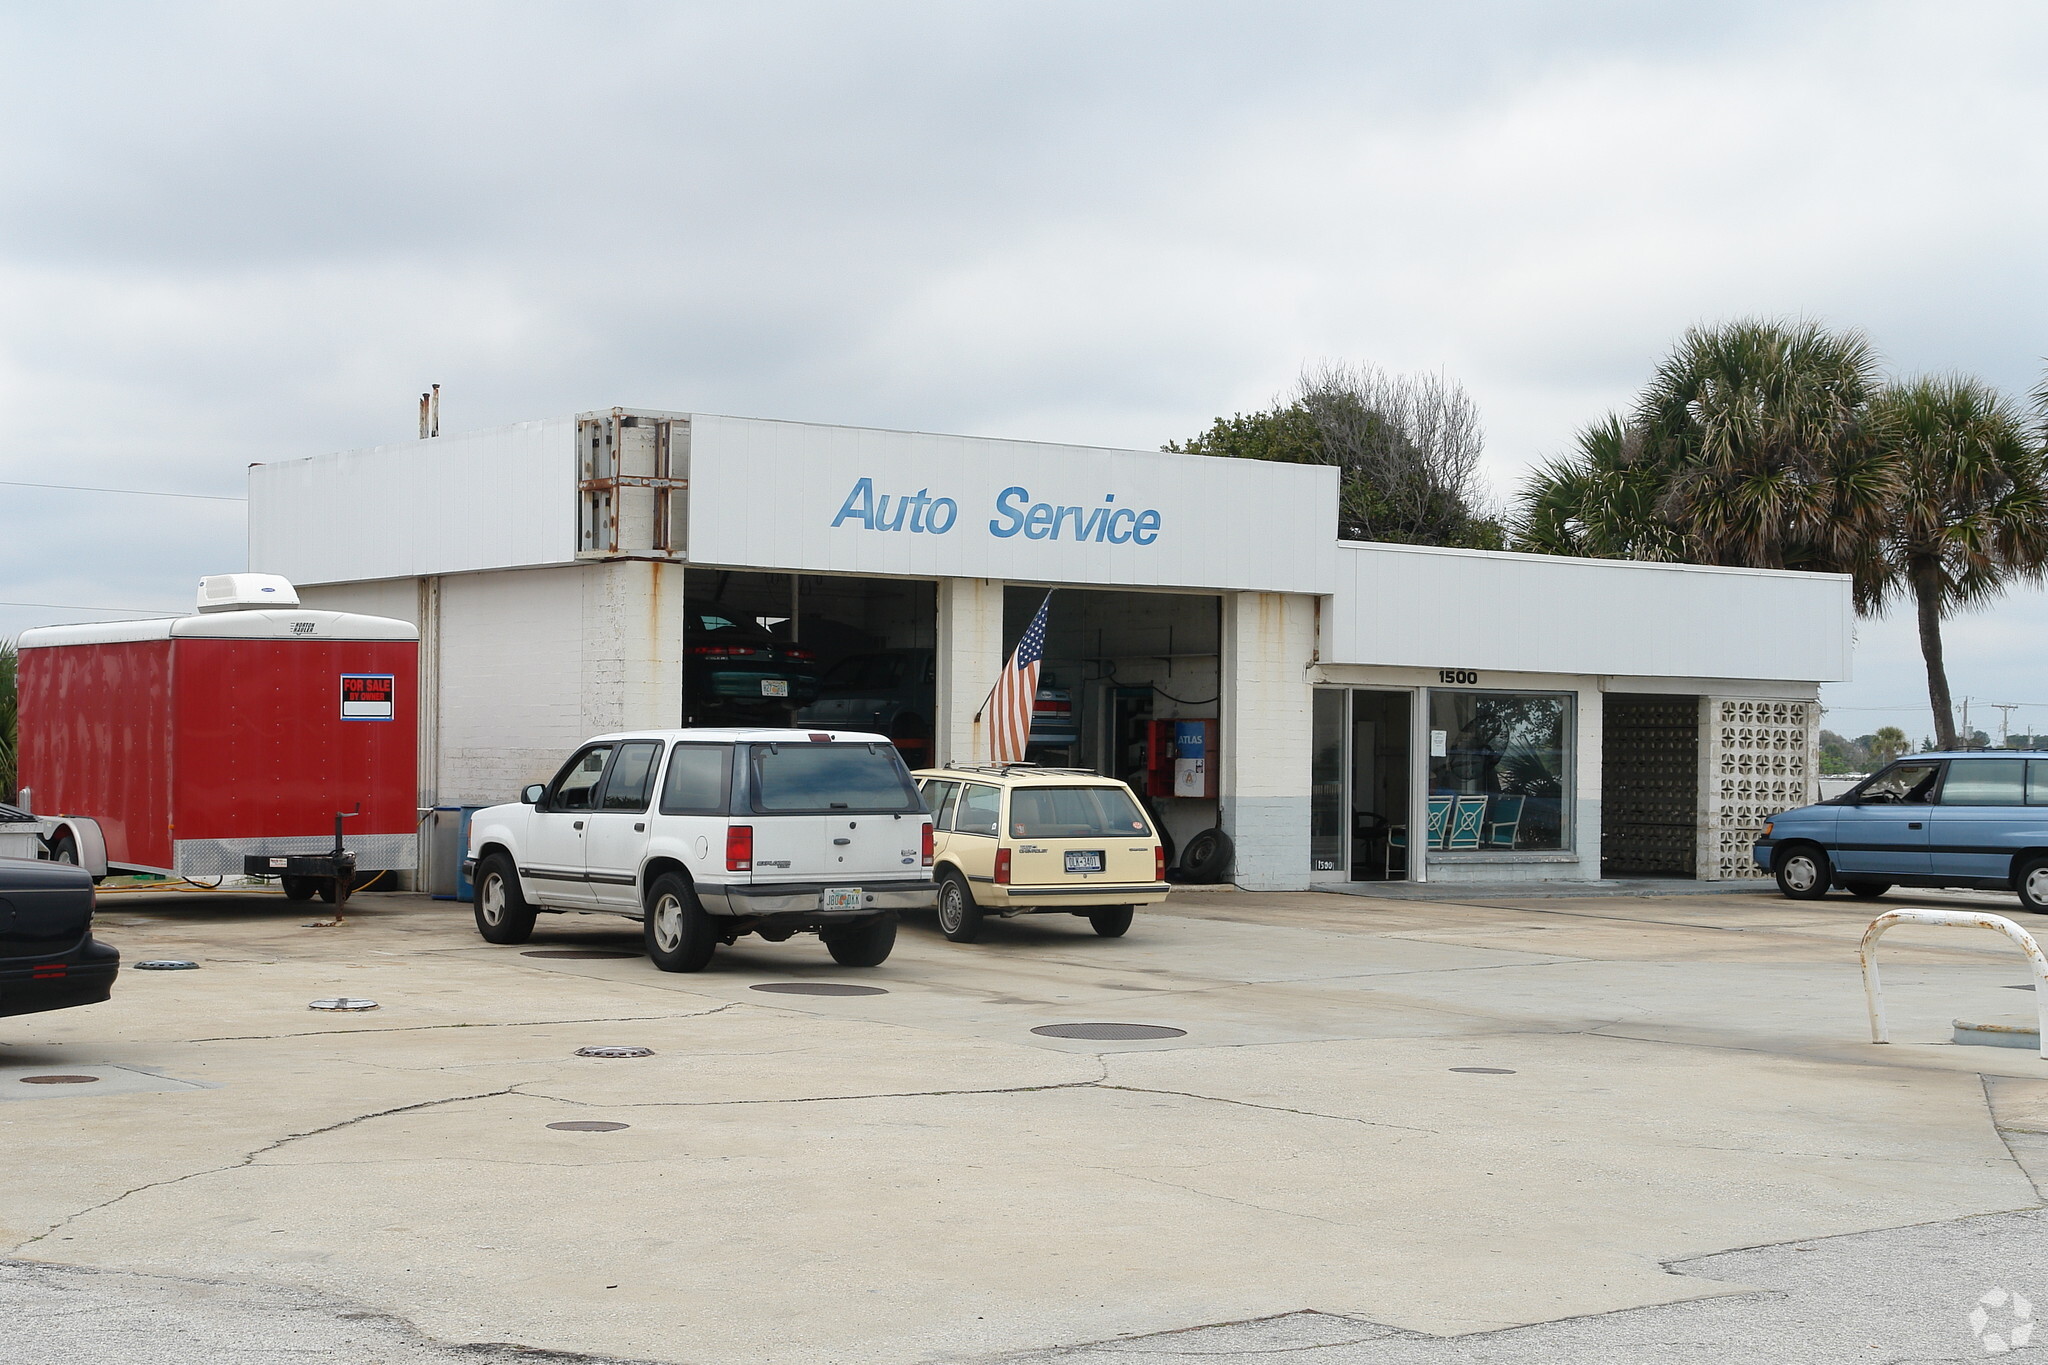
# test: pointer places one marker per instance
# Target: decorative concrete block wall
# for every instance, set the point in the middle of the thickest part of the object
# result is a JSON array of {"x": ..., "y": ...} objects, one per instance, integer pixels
[{"x": 1758, "y": 758}]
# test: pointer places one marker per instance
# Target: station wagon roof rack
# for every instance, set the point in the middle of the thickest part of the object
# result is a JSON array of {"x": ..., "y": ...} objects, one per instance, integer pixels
[{"x": 1005, "y": 769}]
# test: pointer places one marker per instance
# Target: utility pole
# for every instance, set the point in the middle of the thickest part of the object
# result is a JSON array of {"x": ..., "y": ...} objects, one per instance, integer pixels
[
  {"x": 1964, "y": 737},
  {"x": 2005, "y": 710}
]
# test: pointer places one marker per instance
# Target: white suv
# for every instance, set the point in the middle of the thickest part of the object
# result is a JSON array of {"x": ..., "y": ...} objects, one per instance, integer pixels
[{"x": 706, "y": 835}]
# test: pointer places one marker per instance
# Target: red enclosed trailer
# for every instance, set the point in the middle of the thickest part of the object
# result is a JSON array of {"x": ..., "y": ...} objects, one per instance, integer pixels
[{"x": 189, "y": 745}]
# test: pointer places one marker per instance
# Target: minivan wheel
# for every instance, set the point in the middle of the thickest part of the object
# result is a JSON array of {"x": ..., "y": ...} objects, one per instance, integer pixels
[
  {"x": 1112, "y": 921},
  {"x": 1868, "y": 891},
  {"x": 679, "y": 935},
  {"x": 862, "y": 945},
  {"x": 959, "y": 916},
  {"x": 1803, "y": 872},
  {"x": 502, "y": 914},
  {"x": 2032, "y": 884}
]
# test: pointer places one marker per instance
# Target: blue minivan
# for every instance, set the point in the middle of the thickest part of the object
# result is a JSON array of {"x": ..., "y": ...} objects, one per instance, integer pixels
[{"x": 1972, "y": 819}]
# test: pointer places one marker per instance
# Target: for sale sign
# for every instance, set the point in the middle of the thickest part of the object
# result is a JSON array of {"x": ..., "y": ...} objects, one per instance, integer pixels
[{"x": 368, "y": 696}]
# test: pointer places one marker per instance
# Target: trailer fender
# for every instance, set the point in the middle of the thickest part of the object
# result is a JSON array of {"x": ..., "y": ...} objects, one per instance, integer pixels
[{"x": 85, "y": 835}]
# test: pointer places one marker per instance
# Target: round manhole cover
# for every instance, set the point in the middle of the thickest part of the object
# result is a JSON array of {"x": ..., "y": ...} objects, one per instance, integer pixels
[
  {"x": 1485, "y": 1070},
  {"x": 577, "y": 952},
  {"x": 57, "y": 1080},
  {"x": 817, "y": 988},
  {"x": 615, "y": 1050},
  {"x": 166, "y": 964},
  {"x": 1124, "y": 1032},
  {"x": 587, "y": 1126},
  {"x": 341, "y": 1002}
]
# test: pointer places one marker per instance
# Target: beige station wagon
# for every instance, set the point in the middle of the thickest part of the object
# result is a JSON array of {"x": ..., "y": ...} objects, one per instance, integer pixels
[{"x": 1017, "y": 839}]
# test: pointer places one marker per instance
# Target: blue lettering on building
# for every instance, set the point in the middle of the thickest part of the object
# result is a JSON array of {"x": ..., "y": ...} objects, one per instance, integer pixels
[{"x": 922, "y": 514}]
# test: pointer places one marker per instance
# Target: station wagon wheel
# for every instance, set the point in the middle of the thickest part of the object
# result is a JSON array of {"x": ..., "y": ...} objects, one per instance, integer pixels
[
  {"x": 1112, "y": 921},
  {"x": 679, "y": 935},
  {"x": 1868, "y": 891},
  {"x": 959, "y": 916},
  {"x": 2032, "y": 884},
  {"x": 1804, "y": 873},
  {"x": 502, "y": 914}
]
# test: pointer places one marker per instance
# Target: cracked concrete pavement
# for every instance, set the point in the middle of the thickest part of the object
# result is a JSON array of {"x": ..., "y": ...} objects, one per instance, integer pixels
[{"x": 1390, "y": 1126}]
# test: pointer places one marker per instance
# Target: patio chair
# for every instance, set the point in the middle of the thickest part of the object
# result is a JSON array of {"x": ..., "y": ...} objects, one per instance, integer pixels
[
  {"x": 1505, "y": 823},
  {"x": 1397, "y": 835},
  {"x": 1466, "y": 825}
]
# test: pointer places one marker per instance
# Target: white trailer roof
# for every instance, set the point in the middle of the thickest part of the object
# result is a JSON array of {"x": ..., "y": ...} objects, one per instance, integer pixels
[{"x": 282, "y": 624}]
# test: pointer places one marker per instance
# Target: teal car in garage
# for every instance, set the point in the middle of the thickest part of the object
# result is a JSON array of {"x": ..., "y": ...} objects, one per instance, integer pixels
[{"x": 1968, "y": 819}]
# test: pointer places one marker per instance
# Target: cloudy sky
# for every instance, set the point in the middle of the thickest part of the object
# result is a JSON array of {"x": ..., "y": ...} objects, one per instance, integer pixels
[{"x": 232, "y": 233}]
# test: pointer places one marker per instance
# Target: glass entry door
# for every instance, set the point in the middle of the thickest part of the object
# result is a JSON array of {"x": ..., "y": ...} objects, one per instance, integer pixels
[{"x": 1359, "y": 783}]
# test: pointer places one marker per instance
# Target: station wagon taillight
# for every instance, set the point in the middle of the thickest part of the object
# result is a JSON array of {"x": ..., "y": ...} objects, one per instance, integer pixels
[
  {"x": 1002, "y": 867},
  {"x": 739, "y": 848},
  {"x": 927, "y": 843},
  {"x": 1159, "y": 862}
]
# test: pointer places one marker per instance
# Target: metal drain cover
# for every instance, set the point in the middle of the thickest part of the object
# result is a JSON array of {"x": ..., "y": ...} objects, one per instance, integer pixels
[
  {"x": 576, "y": 952},
  {"x": 615, "y": 1050},
  {"x": 587, "y": 1126},
  {"x": 166, "y": 964},
  {"x": 1485, "y": 1070},
  {"x": 1117, "y": 1031},
  {"x": 57, "y": 1080},
  {"x": 817, "y": 988},
  {"x": 341, "y": 1002}
]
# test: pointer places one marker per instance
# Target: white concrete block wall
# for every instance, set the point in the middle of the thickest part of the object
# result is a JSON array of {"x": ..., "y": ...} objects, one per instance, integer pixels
[
  {"x": 970, "y": 655},
  {"x": 512, "y": 680},
  {"x": 1268, "y": 644}
]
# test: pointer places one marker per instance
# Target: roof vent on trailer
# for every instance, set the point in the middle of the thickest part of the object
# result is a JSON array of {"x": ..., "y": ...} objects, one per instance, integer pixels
[{"x": 245, "y": 591}]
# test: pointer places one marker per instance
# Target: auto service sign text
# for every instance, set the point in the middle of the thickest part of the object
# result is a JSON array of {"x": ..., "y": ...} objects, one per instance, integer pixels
[{"x": 921, "y": 514}]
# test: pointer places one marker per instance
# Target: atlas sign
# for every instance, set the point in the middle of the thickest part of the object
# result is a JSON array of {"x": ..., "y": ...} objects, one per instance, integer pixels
[{"x": 1015, "y": 513}]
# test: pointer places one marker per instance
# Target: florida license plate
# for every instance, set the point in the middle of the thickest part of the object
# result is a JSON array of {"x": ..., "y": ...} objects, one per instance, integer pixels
[
  {"x": 1084, "y": 860},
  {"x": 774, "y": 687},
  {"x": 841, "y": 898}
]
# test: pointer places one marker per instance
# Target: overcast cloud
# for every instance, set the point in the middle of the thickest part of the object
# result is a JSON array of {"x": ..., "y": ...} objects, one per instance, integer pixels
[{"x": 232, "y": 233}]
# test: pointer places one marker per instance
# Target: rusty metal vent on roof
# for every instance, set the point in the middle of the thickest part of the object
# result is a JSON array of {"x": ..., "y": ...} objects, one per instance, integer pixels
[
  {"x": 57, "y": 1080},
  {"x": 587, "y": 1126},
  {"x": 615, "y": 1050},
  {"x": 817, "y": 988},
  {"x": 577, "y": 952},
  {"x": 1118, "y": 1032},
  {"x": 1485, "y": 1070}
]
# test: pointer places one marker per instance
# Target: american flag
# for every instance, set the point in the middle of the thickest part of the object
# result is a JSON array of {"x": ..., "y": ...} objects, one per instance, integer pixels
[{"x": 1010, "y": 705}]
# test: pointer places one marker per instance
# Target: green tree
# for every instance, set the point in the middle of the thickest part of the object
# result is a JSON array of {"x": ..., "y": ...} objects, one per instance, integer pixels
[
  {"x": 9, "y": 659},
  {"x": 1749, "y": 447},
  {"x": 1408, "y": 447},
  {"x": 1887, "y": 744},
  {"x": 1969, "y": 517}
]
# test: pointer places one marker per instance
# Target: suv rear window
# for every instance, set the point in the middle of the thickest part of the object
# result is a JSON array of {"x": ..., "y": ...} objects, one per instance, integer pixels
[
  {"x": 820, "y": 778},
  {"x": 1075, "y": 813}
]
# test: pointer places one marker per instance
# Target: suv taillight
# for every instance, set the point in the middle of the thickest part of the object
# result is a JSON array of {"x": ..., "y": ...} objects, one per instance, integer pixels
[
  {"x": 739, "y": 848},
  {"x": 927, "y": 843},
  {"x": 1002, "y": 867},
  {"x": 1159, "y": 862}
]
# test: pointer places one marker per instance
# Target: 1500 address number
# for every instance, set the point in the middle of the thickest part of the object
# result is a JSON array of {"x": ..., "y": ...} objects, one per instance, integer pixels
[{"x": 1456, "y": 675}]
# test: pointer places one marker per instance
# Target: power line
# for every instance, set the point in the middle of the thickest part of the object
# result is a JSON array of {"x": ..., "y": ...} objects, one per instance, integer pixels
[
  {"x": 73, "y": 606},
  {"x": 132, "y": 492}
]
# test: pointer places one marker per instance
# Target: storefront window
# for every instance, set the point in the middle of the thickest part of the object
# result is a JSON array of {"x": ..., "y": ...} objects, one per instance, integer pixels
[
  {"x": 1326, "y": 784},
  {"x": 1503, "y": 760}
]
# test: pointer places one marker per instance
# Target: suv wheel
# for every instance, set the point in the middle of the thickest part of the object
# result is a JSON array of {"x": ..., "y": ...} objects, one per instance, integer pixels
[
  {"x": 959, "y": 916},
  {"x": 679, "y": 935},
  {"x": 1113, "y": 921},
  {"x": 2031, "y": 881},
  {"x": 502, "y": 914},
  {"x": 1804, "y": 873},
  {"x": 862, "y": 945}
]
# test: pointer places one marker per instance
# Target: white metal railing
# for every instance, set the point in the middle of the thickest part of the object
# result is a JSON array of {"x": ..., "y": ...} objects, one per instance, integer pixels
[{"x": 1873, "y": 991}]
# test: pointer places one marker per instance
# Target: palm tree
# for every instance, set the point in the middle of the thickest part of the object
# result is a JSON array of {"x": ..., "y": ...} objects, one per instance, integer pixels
[
  {"x": 1887, "y": 744},
  {"x": 1600, "y": 501},
  {"x": 1971, "y": 514}
]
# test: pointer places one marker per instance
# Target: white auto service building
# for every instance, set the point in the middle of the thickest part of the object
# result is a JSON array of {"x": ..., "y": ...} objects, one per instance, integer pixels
[{"x": 1344, "y": 712}]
